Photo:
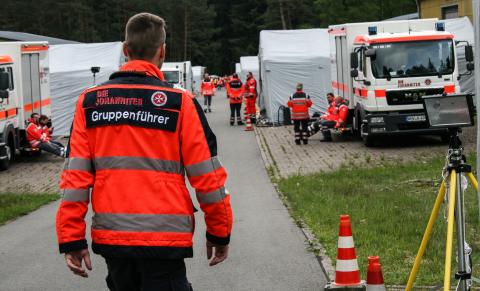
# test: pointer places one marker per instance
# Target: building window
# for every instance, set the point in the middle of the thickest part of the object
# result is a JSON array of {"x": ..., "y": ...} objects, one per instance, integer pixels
[{"x": 449, "y": 12}]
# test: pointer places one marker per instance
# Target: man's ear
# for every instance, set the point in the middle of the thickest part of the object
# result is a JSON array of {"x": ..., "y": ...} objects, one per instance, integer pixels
[
  {"x": 125, "y": 49},
  {"x": 162, "y": 51}
]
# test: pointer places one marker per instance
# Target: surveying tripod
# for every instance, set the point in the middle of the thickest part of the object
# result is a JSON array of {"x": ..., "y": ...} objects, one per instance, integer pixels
[{"x": 455, "y": 167}]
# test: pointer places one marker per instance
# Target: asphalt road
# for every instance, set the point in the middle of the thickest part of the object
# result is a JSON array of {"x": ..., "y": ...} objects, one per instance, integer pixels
[{"x": 268, "y": 251}]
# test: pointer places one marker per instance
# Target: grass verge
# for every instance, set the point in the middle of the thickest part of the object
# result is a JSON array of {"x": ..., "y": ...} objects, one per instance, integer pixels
[
  {"x": 389, "y": 206},
  {"x": 14, "y": 205}
]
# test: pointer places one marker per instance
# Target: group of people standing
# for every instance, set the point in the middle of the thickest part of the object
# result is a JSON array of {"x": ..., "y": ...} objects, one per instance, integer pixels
[
  {"x": 334, "y": 118},
  {"x": 236, "y": 93}
]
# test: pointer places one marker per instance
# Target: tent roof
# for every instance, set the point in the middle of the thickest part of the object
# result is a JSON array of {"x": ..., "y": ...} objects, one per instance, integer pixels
[
  {"x": 294, "y": 45},
  {"x": 83, "y": 56},
  {"x": 461, "y": 28},
  {"x": 23, "y": 36},
  {"x": 249, "y": 63}
]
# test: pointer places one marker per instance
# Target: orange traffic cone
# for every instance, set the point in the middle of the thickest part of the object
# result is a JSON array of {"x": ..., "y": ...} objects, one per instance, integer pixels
[
  {"x": 347, "y": 273},
  {"x": 249, "y": 126},
  {"x": 374, "y": 275}
]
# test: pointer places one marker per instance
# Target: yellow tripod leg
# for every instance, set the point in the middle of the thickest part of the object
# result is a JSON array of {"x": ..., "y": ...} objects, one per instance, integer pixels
[
  {"x": 473, "y": 180},
  {"x": 426, "y": 237},
  {"x": 451, "y": 221}
]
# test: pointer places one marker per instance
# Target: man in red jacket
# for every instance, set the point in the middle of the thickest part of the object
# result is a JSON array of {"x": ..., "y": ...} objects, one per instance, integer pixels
[
  {"x": 235, "y": 91},
  {"x": 300, "y": 103},
  {"x": 133, "y": 139},
  {"x": 207, "y": 89}
]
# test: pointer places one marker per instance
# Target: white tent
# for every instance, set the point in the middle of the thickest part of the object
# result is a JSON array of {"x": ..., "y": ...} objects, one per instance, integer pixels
[
  {"x": 70, "y": 74},
  {"x": 198, "y": 72},
  {"x": 288, "y": 57},
  {"x": 238, "y": 68},
  {"x": 462, "y": 28},
  {"x": 248, "y": 64}
]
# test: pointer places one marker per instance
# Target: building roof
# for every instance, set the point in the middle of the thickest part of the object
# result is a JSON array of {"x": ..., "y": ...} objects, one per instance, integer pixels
[
  {"x": 22, "y": 36},
  {"x": 405, "y": 17}
]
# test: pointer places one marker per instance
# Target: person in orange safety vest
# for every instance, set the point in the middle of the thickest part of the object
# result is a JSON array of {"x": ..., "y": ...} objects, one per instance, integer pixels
[
  {"x": 251, "y": 97},
  {"x": 207, "y": 89},
  {"x": 300, "y": 103},
  {"x": 133, "y": 140},
  {"x": 235, "y": 91}
]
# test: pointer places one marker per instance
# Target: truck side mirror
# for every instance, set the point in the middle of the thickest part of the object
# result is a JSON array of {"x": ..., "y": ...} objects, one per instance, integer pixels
[
  {"x": 354, "y": 60},
  {"x": 470, "y": 67},
  {"x": 469, "y": 53},
  {"x": 4, "y": 81},
  {"x": 354, "y": 73},
  {"x": 3, "y": 94}
]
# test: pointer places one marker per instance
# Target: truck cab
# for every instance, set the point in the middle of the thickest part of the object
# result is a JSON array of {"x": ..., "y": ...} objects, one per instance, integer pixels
[
  {"x": 384, "y": 69},
  {"x": 24, "y": 89}
]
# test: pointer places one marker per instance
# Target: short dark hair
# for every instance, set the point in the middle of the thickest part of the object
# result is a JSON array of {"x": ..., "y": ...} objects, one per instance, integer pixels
[
  {"x": 330, "y": 94},
  {"x": 144, "y": 34},
  {"x": 33, "y": 114},
  {"x": 43, "y": 117},
  {"x": 235, "y": 75}
]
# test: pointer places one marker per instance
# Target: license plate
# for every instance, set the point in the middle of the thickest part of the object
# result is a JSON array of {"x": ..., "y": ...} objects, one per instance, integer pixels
[{"x": 416, "y": 118}]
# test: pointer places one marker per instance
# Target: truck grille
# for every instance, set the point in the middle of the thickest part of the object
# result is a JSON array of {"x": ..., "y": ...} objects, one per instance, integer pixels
[{"x": 407, "y": 97}]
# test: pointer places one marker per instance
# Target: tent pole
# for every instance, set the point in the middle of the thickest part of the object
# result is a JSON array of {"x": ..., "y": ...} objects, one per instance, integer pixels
[{"x": 476, "y": 21}]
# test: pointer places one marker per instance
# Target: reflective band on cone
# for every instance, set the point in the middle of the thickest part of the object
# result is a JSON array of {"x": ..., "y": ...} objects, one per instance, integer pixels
[
  {"x": 347, "y": 271},
  {"x": 249, "y": 126},
  {"x": 374, "y": 275}
]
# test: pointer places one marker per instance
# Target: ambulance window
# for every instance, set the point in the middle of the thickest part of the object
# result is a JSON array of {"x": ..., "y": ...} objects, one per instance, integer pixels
[{"x": 10, "y": 75}]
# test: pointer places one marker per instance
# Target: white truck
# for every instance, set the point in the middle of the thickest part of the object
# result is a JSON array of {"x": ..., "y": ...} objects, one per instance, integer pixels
[
  {"x": 179, "y": 74},
  {"x": 24, "y": 89},
  {"x": 385, "y": 68}
]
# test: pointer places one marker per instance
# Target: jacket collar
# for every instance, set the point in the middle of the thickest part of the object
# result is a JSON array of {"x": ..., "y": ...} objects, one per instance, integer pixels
[{"x": 143, "y": 66}]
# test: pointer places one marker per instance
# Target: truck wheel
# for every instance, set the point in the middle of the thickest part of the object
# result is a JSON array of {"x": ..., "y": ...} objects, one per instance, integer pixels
[
  {"x": 367, "y": 139},
  {"x": 356, "y": 126},
  {"x": 5, "y": 163}
]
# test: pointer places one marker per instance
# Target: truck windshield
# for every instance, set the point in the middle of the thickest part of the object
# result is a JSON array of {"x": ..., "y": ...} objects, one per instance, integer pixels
[
  {"x": 171, "y": 76},
  {"x": 413, "y": 59}
]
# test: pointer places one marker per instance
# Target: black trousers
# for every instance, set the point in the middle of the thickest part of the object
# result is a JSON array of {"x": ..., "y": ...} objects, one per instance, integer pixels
[
  {"x": 300, "y": 127},
  {"x": 235, "y": 108},
  {"x": 52, "y": 147},
  {"x": 146, "y": 275},
  {"x": 208, "y": 100},
  {"x": 325, "y": 126}
]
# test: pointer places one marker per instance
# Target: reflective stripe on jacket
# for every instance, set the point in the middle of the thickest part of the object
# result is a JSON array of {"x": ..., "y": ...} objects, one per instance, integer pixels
[
  {"x": 235, "y": 91},
  {"x": 207, "y": 88},
  {"x": 300, "y": 103},
  {"x": 133, "y": 139}
]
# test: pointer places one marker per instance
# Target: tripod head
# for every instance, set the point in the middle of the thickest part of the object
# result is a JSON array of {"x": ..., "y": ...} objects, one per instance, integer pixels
[{"x": 455, "y": 157}]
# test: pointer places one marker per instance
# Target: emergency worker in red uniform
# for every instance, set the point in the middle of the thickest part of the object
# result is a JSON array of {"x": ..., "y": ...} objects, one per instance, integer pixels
[
  {"x": 329, "y": 116},
  {"x": 207, "y": 89},
  {"x": 39, "y": 136},
  {"x": 251, "y": 97},
  {"x": 300, "y": 103},
  {"x": 235, "y": 91},
  {"x": 133, "y": 139},
  {"x": 337, "y": 120}
]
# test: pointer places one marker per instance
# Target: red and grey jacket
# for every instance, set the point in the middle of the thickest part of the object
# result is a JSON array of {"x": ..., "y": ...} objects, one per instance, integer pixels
[
  {"x": 300, "y": 103},
  {"x": 235, "y": 91},
  {"x": 342, "y": 115},
  {"x": 35, "y": 134},
  {"x": 251, "y": 86},
  {"x": 331, "y": 113},
  {"x": 207, "y": 88},
  {"x": 133, "y": 139}
]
